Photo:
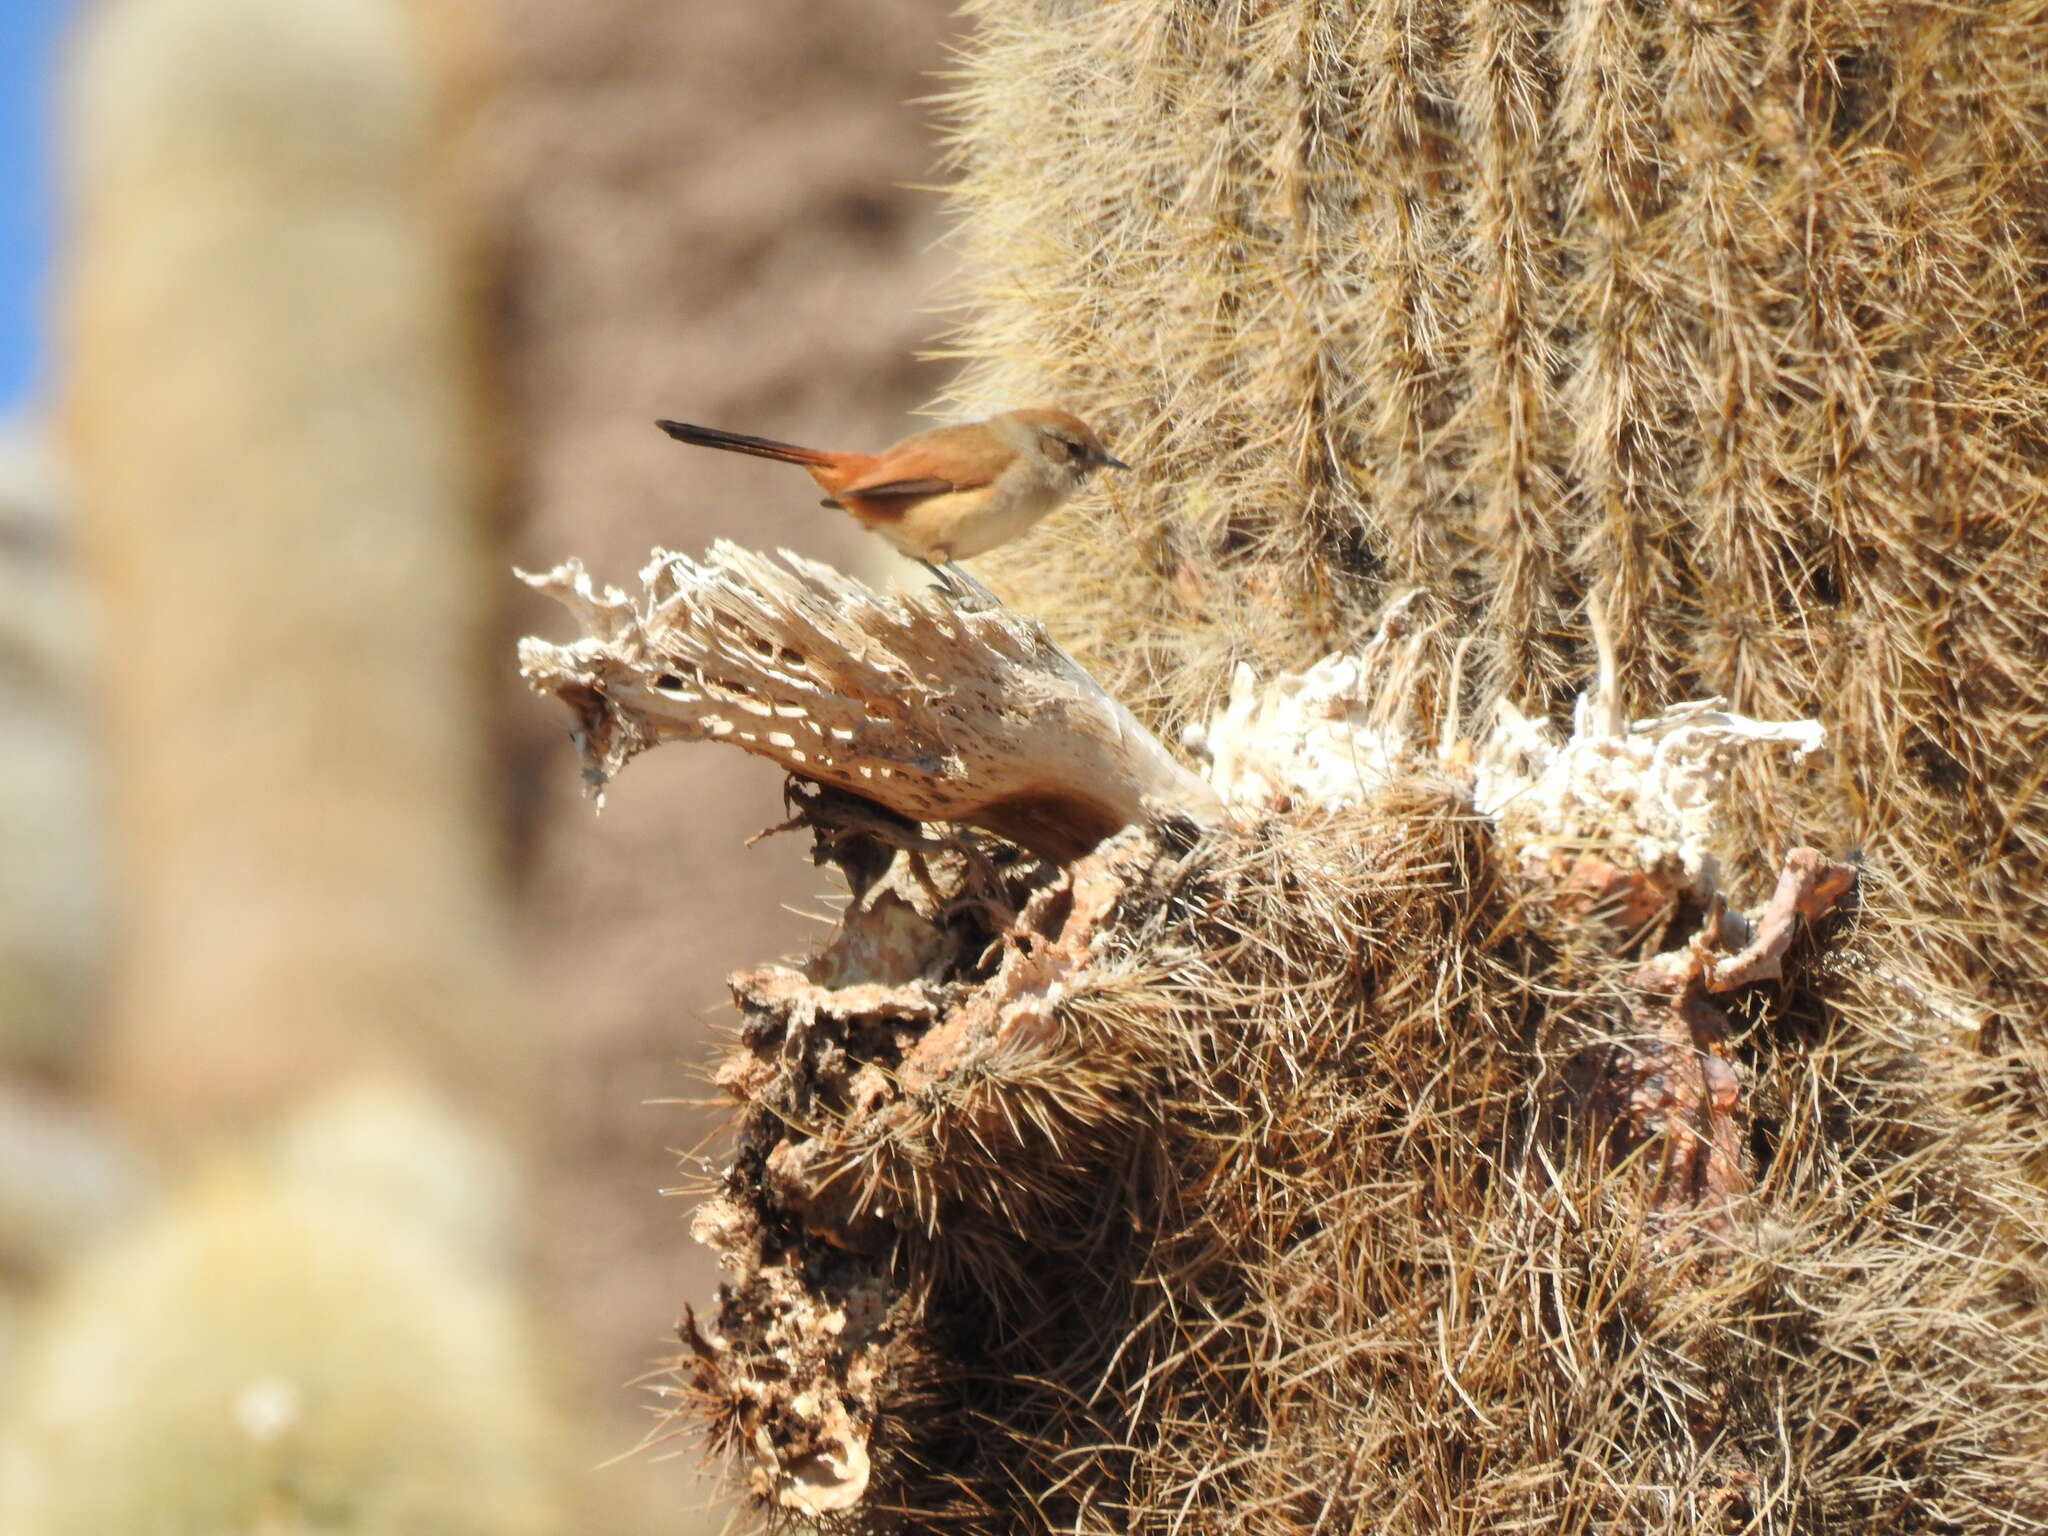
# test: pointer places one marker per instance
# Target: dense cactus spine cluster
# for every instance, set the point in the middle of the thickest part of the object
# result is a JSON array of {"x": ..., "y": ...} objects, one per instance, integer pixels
[{"x": 1726, "y": 316}]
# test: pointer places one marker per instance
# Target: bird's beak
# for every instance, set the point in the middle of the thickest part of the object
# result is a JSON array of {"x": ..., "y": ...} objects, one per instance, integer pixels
[{"x": 1111, "y": 461}]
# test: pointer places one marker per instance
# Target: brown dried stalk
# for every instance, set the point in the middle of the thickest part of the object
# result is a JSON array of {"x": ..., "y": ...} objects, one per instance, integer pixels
[{"x": 1676, "y": 1083}]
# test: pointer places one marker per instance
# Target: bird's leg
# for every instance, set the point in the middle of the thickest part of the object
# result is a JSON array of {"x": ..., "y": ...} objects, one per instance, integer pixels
[
  {"x": 962, "y": 587},
  {"x": 949, "y": 583}
]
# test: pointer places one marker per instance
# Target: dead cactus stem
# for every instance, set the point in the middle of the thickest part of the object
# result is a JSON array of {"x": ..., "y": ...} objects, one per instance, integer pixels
[{"x": 1017, "y": 1188}]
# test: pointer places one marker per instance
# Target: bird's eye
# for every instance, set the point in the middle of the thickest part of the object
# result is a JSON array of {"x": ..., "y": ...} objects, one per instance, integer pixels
[{"x": 1074, "y": 450}]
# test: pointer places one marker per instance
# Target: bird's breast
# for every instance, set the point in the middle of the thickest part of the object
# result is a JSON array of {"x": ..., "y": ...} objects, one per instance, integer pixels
[{"x": 958, "y": 525}]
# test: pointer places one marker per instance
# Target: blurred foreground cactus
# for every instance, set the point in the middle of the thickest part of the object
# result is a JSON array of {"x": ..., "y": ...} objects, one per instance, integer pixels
[
  {"x": 1465, "y": 1123},
  {"x": 319, "y": 1338}
]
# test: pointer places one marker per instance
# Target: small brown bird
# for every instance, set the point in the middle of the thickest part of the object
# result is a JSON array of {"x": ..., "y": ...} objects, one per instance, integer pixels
[{"x": 947, "y": 494}]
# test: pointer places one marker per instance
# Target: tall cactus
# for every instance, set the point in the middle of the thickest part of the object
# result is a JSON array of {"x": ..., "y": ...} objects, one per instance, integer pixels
[
  {"x": 1728, "y": 316},
  {"x": 275, "y": 418},
  {"x": 1411, "y": 1147},
  {"x": 273, "y": 396}
]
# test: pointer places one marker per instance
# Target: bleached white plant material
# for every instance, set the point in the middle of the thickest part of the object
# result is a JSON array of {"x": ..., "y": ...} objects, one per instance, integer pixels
[
  {"x": 1647, "y": 793},
  {"x": 1650, "y": 790},
  {"x": 1325, "y": 737},
  {"x": 935, "y": 712}
]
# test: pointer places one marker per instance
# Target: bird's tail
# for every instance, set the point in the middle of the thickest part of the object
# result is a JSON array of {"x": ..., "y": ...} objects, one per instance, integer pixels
[{"x": 737, "y": 442}]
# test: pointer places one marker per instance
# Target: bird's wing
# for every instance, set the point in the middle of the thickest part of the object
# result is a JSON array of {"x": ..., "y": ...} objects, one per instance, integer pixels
[
  {"x": 929, "y": 486},
  {"x": 933, "y": 463}
]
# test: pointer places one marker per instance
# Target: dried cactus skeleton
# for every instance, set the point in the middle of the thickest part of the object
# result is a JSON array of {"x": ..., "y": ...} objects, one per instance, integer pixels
[{"x": 908, "y": 701}]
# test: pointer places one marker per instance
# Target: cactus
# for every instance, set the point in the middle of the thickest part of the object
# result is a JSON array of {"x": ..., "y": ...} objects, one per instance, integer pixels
[
  {"x": 1724, "y": 316},
  {"x": 1478, "y": 1128},
  {"x": 272, "y": 397},
  {"x": 52, "y": 906},
  {"x": 300, "y": 1341},
  {"x": 273, "y": 403},
  {"x": 1398, "y": 1124}
]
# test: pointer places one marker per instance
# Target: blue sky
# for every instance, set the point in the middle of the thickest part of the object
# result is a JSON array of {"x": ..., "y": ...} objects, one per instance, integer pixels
[{"x": 29, "y": 32}]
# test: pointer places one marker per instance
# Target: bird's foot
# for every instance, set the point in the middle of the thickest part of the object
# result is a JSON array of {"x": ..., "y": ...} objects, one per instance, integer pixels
[{"x": 962, "y": 589}]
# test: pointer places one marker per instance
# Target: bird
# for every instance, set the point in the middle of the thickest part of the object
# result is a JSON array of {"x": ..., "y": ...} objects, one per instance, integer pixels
[{"x": 950, "y": 493}]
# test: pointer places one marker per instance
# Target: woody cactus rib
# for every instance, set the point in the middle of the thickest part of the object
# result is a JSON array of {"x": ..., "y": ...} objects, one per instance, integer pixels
[{"x": 932, "y": 711}]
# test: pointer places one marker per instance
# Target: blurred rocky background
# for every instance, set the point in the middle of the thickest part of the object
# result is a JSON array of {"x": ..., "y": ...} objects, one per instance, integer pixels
[{"x": 344, "y": 1053}]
